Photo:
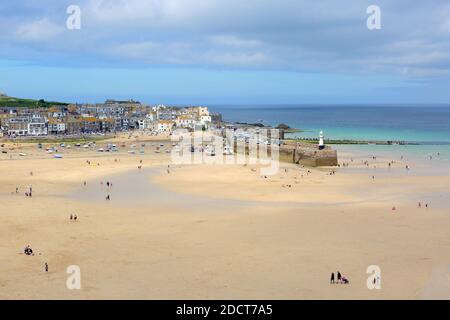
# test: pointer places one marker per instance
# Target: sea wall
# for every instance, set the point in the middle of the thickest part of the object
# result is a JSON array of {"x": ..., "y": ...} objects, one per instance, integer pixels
[{"x": 308, "y": 155}]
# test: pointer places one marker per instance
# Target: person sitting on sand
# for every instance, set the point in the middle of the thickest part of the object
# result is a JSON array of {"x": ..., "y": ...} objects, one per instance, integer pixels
[
  {"x": 28, "y": 251},
  {"x": 345, "y": 280}
]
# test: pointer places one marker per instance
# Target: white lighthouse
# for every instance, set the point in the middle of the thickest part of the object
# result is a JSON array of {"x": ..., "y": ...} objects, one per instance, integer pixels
[{"x": 321, "y": 144}]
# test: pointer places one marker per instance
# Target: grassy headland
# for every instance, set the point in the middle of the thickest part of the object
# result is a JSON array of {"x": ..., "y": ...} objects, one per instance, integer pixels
[{"x": 6, "y": 101}]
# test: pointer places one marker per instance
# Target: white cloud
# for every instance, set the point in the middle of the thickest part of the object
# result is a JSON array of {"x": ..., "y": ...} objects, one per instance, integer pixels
[
  {"x": 38, "y": 30},
  {"x": 234, "y": 41},
  {"x": 299, "y": 35},
  {"x": 243, "y": 59}
]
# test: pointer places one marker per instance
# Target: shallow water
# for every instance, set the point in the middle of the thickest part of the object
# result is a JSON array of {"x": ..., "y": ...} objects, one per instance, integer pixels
[
  {"x": 424, "y": 160},
  {"x": 134, "y": 188}
]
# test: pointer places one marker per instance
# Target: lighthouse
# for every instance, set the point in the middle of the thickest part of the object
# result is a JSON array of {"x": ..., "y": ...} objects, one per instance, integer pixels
[{"x": 321, "y": 144}]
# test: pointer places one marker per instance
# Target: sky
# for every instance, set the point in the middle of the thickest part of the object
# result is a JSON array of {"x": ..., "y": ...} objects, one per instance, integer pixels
[{"x": 227, "y": 51}]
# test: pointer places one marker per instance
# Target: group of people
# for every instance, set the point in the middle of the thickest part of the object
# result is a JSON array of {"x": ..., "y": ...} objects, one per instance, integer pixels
[
  {"x": 340, "y": 278},
  {"x": 29, "y": 193},
  {"x": 419, "y": 205},
  {"x": 73, "y": 217},
  {"x": 28, "y": 251}
]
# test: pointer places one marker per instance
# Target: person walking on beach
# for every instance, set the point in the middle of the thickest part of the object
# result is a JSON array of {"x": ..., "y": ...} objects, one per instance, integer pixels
[
  {"x": 107, "y": 197},
  {"x": 75, "y": 217},
  {"x": 332, "y": 278},
  {"x": 339, "y": 277},
  {"x": 71, "y": 217},
  {"x": 46, "y": 267}
]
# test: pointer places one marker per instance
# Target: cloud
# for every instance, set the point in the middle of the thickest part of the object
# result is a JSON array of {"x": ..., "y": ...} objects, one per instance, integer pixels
[
  {"x": 291, "y": 35},
  {"x": 38, "y": 30},
  {"x": 180, "y": 53},
  {"x": 234, "y": 41}
]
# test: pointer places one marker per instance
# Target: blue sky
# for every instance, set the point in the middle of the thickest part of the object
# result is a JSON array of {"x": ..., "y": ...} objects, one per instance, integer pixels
[{"x": 227, "y": 52}]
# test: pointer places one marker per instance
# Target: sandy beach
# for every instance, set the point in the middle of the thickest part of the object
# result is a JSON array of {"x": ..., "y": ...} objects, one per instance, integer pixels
[{"x": 218, "y": 231}]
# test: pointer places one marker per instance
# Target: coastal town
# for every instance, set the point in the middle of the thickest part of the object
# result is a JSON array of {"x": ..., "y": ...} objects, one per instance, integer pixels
[{"x": 112, "y": 116}]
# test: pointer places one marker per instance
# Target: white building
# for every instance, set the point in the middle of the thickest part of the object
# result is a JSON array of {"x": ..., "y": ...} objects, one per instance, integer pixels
[
  {"x": 142, "y": 124},
  {"x": 164, "y": 125},
  {"x": 37, "y": 127},
  {"x": 56, "y": 126},
  {"x": 205, "y": 120}
]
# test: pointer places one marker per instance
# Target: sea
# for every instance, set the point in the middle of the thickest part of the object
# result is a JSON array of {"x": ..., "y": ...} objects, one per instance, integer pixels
[
  {"x": 426, "y": 126},
  {"x": 422, "y": 124}
]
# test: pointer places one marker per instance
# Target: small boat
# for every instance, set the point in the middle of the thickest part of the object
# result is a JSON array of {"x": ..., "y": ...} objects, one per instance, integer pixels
[
  {"x": 77, "y": 144},
  {"x": 227, "y": 151},
  {"x": 142, "y": 151},
  {"x": 131, "y": 151},
  {"x": 210, "y": 152},
  {"x": 4, "y": 151},
  {"x": 57, "y": 156},
  {"x": 22, "y": 154},
  {"x": 100, "y": 150}
]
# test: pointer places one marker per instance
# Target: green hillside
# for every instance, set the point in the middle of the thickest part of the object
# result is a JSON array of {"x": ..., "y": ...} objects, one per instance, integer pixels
[{"x": 6, "y": 101}]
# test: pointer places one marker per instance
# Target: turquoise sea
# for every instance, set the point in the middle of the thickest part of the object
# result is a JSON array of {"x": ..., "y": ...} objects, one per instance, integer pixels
[
  {"x": 422, "y": 124},
  {"x": 428, "y": 126}
]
